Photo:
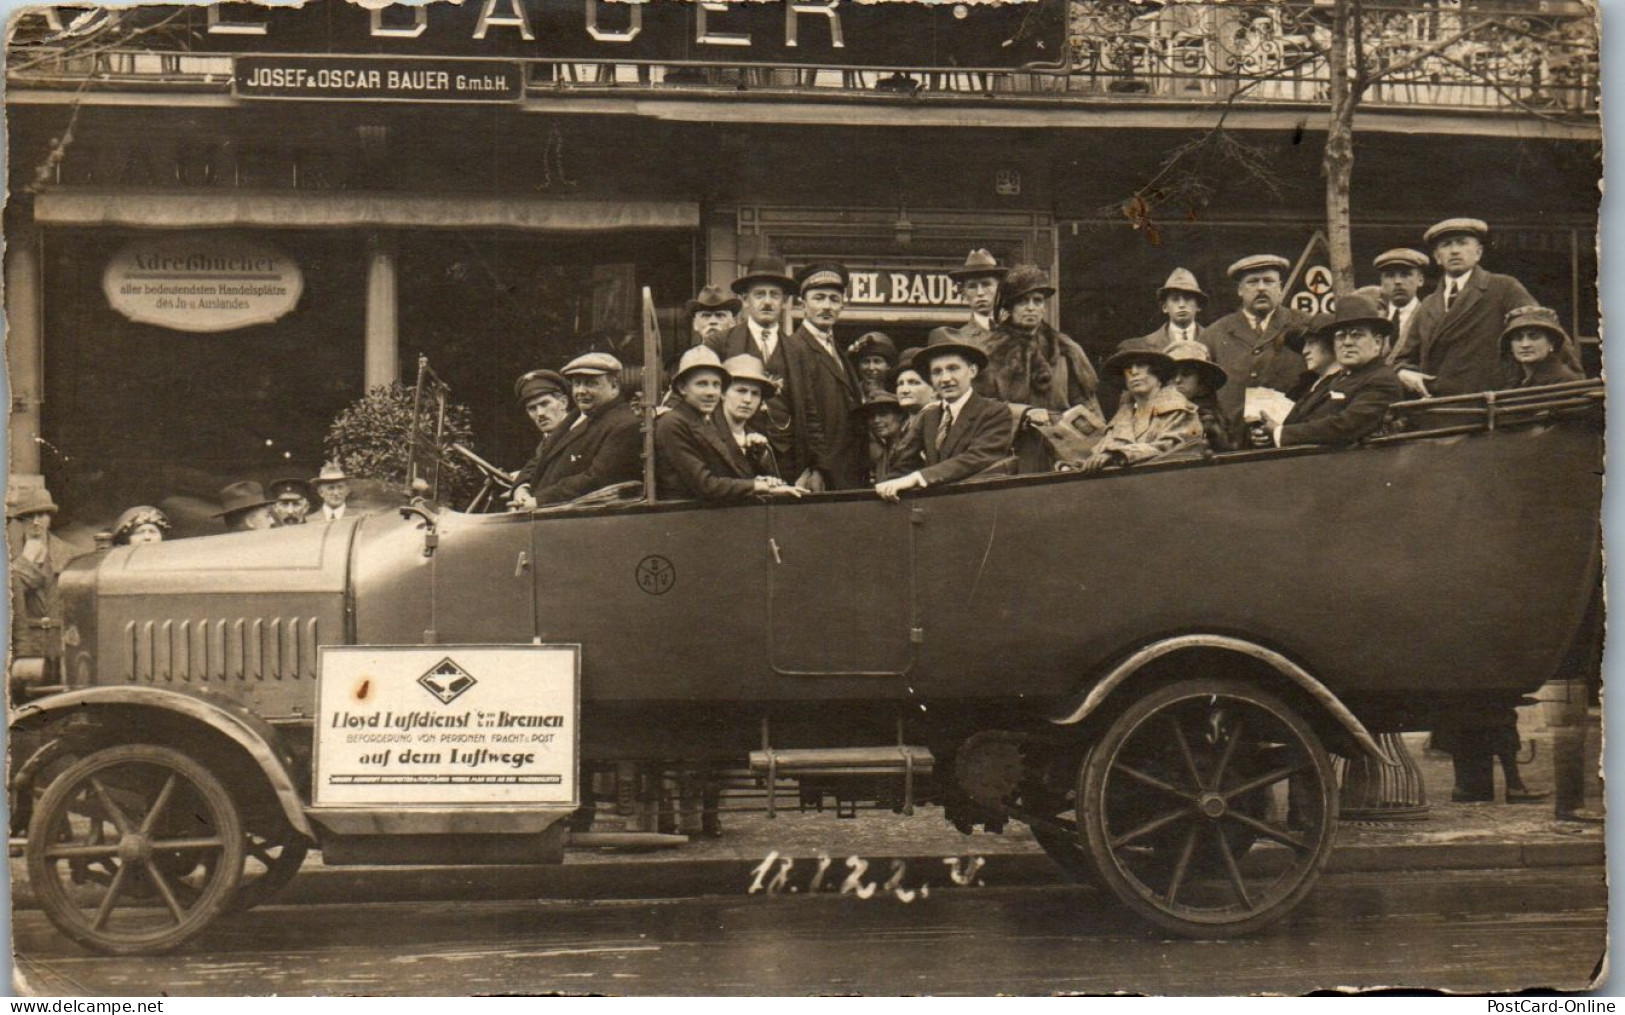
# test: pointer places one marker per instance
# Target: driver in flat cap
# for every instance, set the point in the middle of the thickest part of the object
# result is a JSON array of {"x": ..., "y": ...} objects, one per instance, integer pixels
[{"x": 602, "y": 447}]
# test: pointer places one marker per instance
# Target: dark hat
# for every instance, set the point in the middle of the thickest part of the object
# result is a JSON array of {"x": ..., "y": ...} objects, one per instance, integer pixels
[
  {"x": 540, "y": 382},
  {"x": 592, "y": 364},
  {"x": 942, "y": 342},
  {"x": 1024, "y": 279},
  {"x": 825, "y": 275},
  {"x": 1259, "y": 262},
  {"x": 905, "y": 359},
  {"x": 29, "y": 500},
  {"x": 701, "y": 357},
  {"x": 874, "y": 343},
  {"x": 143, "y": 514},
  {"x": 881, "y": 400},
  {"x": 712, "y": 297},
  {"x": 283, "y": 487},
  {"x": 239, "y": 497},
  {"x": 1195, "y": 354},
  {"x": 1357, "y": 309},
  {"x": 1161, "y": 364},
  {"x": 1181, "y": 281},
  {"x": 1455, "y": 227},
  {"x": 331, "y": 472},
  {"x": 765, "y": 268},
  {"x": 746, "y": 367},
  {"x": 979, "y": 264},
  {"x": 1543, "y": 318},
  {"x": 1400, "y": 257},
  {"x": 1316, "y": 332}
]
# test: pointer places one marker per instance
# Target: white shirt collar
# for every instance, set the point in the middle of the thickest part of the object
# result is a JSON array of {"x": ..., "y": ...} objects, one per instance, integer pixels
[
  {"x": 822, "y": 336},
  {"x": 1460, "y": 280},
  {"x": 958, "y": 404},
  {"x": 758, "y": 332},
  {"x": 982, "y": 321},
  {"x": 1263, "y": 323}
]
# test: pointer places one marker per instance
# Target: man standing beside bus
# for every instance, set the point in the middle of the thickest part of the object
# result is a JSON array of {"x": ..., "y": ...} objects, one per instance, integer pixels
[{"x": 825, "y": 391}]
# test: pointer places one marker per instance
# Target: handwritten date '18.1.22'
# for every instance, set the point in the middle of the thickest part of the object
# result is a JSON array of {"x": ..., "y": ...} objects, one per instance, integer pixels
[{"x": 772, "y": 877}]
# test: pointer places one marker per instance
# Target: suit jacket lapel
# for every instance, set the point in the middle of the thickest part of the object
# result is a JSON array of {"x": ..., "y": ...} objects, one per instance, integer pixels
[
  {"x": 716, "y": 434},
  {"x": 1470, "y": 294},
  {"x": 843, "y": 370}
]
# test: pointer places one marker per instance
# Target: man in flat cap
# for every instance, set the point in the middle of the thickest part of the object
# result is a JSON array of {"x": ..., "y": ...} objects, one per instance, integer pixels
[
  {"x": 1400, "y": 276},
  {"x": 1251, "y": 345},
  {"x": 711, "y": 314},
  {"x": 978, "y": 281},
  {"x": 825, "y": 390},
  {"x": 545, "y": 397},
  {"x": 764, "y": 291},
  {"x": 602, "y": 447},
  {"x": 1454, "y": 346}
]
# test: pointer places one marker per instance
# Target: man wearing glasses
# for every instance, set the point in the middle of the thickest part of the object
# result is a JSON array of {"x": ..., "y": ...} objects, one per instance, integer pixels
[{"x": 1354, "y": 403}]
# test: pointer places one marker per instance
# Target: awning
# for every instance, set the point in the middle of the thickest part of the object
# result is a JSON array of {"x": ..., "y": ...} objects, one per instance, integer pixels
[{"x": 158, "y": 209}]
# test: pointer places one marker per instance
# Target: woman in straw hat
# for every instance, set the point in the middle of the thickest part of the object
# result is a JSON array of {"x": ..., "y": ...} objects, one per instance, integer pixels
[
  {"x": 693, "y": 458},
  {"x": 1152, "y": 421}
]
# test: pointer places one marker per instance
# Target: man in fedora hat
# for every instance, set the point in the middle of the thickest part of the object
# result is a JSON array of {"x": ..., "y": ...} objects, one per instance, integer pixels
[
  {"x": 1353, "y": 404},
  {"x": 601, "y": 447},
  {"x": 959, "y": 435},
  {"x": 293, "y": 498},
  {"x": 764, "y": 290},
  {"x": 1044, "y": 375},
  {"x": 825, "y": 391},
  {"x": 1400, "y": 277},
  {"x": 1454, "y": 346},
  {"x": 978, "y": 281},
  {"x": 711, "y": 314},
  {"x": 545, "y": 397},
  {"x": 37, "y": 556},
  {"x": 1251, "y": 344},
  {"x": 244, "y": 507},
  {"x": 333, "y": 487},
  {"x": 1181, "y": 299}
]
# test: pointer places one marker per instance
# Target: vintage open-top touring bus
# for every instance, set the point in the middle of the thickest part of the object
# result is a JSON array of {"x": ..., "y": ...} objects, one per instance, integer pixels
[{"x": 1151, "y": 667}]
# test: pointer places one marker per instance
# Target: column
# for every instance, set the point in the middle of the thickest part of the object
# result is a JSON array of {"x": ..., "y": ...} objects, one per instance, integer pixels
[
  {"x": 382, "y": 362},
  {"x": 25, "y": 346}
]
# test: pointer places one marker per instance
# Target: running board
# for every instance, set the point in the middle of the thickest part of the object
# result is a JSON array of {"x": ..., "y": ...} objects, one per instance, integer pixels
[{"x": 900, "y": 759}]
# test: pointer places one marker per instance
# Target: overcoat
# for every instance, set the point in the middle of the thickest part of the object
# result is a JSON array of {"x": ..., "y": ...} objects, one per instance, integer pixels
[
  {"x": 531, "y": 471},
  {"x": 1156, "y": 341},
  {"x": 1251, "y": 360},
  {"x": 825, "y": 394},
  {"x": 1551, "y": 370},
  {"x": 1462, "y": 348},
  {"x": 695, "y": 460},
  {"x": 1165, "y": 424},
  {"x": 979, "y": 438},
  {"x": 604, "y": 450},
  {"x": 1349, "y": 407}
]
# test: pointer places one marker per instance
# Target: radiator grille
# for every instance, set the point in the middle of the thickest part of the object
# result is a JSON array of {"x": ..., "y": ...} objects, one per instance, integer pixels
[{"x": 195, "y": 650}]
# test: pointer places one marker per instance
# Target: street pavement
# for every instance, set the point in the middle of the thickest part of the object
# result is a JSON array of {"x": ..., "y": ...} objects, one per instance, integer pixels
[{"x": 1466, "y": 931}]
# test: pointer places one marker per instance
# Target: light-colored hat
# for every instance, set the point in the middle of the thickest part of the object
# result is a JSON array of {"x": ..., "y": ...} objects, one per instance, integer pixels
[
  {"x": 979, "y": 264},
  {"x": 943, "y": 342},
  {"x": 540, "y": 382},
  {"x": 1400, "y": 257},
  {"x": 238, "y": 497},
  {"x": 1024, "y": 279},
  {"x": 700, "y": 357},
  {"x": 1259, "y": 262},
  {"x": 1195, "y": 354},
  {"x": 1543, "y": 318},
  {"x": 1455, "y": 227},
  {"x": 331, "y": 473},
  {"x": 592, "y": 364},
  {"x": 144, "y": 514},
  {"x": 746, "y": 367},
  {"x": 29, "y": 500},
  {"x": 1111, "y": 371},
  {"x": 1181, "y": 281}
]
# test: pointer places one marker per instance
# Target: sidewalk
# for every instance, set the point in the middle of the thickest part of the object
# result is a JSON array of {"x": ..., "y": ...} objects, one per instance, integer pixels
[{"x": 1453, "y": 837}]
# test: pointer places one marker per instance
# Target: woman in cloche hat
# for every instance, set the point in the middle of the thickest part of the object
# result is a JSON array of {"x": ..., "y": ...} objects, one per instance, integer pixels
[
  {"x": 1532, "y": 340},
  {"x": 693, "y": 459},
  {"x": 1154, "y": 420},
  {"x": 141, "y": 524}
]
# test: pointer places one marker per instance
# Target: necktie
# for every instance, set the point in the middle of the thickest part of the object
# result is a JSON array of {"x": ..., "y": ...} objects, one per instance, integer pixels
[
  {"x": 770, "y": 339},
  {"x": 1451, "y": 290},
  {"x": 943, "y": 426}
]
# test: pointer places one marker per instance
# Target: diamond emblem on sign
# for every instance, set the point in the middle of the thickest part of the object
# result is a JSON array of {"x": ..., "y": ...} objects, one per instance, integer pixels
[{"x": 446, "y": 681}]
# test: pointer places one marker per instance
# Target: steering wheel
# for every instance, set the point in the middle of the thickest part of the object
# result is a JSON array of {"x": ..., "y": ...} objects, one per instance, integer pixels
[{"x": 498, "y": 484}]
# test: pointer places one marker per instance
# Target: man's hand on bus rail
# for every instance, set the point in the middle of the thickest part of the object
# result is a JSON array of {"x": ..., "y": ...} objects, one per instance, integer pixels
[
  {"x": 1415, "y": 381},
  {"x": 812, "y": 481},
  {"x": 521, "y": 500},
  {"x": 890, "y": 489}
]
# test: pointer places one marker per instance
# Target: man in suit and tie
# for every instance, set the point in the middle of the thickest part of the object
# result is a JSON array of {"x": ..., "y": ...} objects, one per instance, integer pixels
[
  {"x": 1182, "y": 299},
  {"x": 1353, "y": 403},
  {"x": 1251, "y": 344},
  {"x": 961, "y": 434},
  {"x": 1454, "y": 346},
  {"x": 763, "y": 290},
  {"x": 1400, "y": 272},
  {"x": 825, "y": 391},
  {"x": 602, "y": 447},
  {"x": 333, "y": 487},
  {"x": 979, "y": 284}
]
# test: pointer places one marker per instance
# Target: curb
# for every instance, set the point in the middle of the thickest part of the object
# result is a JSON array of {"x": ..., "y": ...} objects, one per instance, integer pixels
[{"x": 622, "y": 877}]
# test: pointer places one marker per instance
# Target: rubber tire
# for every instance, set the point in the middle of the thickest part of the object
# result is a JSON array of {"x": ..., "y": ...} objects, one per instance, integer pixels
[
  {"x": 259, "y": 890},
  {"x": 67, "y": 915},
  {"x": 1091, "y": 780}
]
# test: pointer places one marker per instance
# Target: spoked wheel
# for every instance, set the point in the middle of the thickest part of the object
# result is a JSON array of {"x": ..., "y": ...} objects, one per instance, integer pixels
[
  {"x": 271, "y": 860},
  {"x": 134, "y": 849},
  {"x": 1209, "y": 808}
]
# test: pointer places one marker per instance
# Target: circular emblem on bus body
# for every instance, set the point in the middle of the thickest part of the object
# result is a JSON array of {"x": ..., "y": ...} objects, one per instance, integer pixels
[{"x": 656, "y": 575}]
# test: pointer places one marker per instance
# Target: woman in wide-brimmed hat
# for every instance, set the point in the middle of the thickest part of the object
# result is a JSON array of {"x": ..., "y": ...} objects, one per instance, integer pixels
[
  {"x": 1199, "y": 379},
  {"x": 1152, "y": 420},
  {"x": 1534, "y": 341},
  {"x": 141, "y": 524},
  {"x": 693, "y": 459}
]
